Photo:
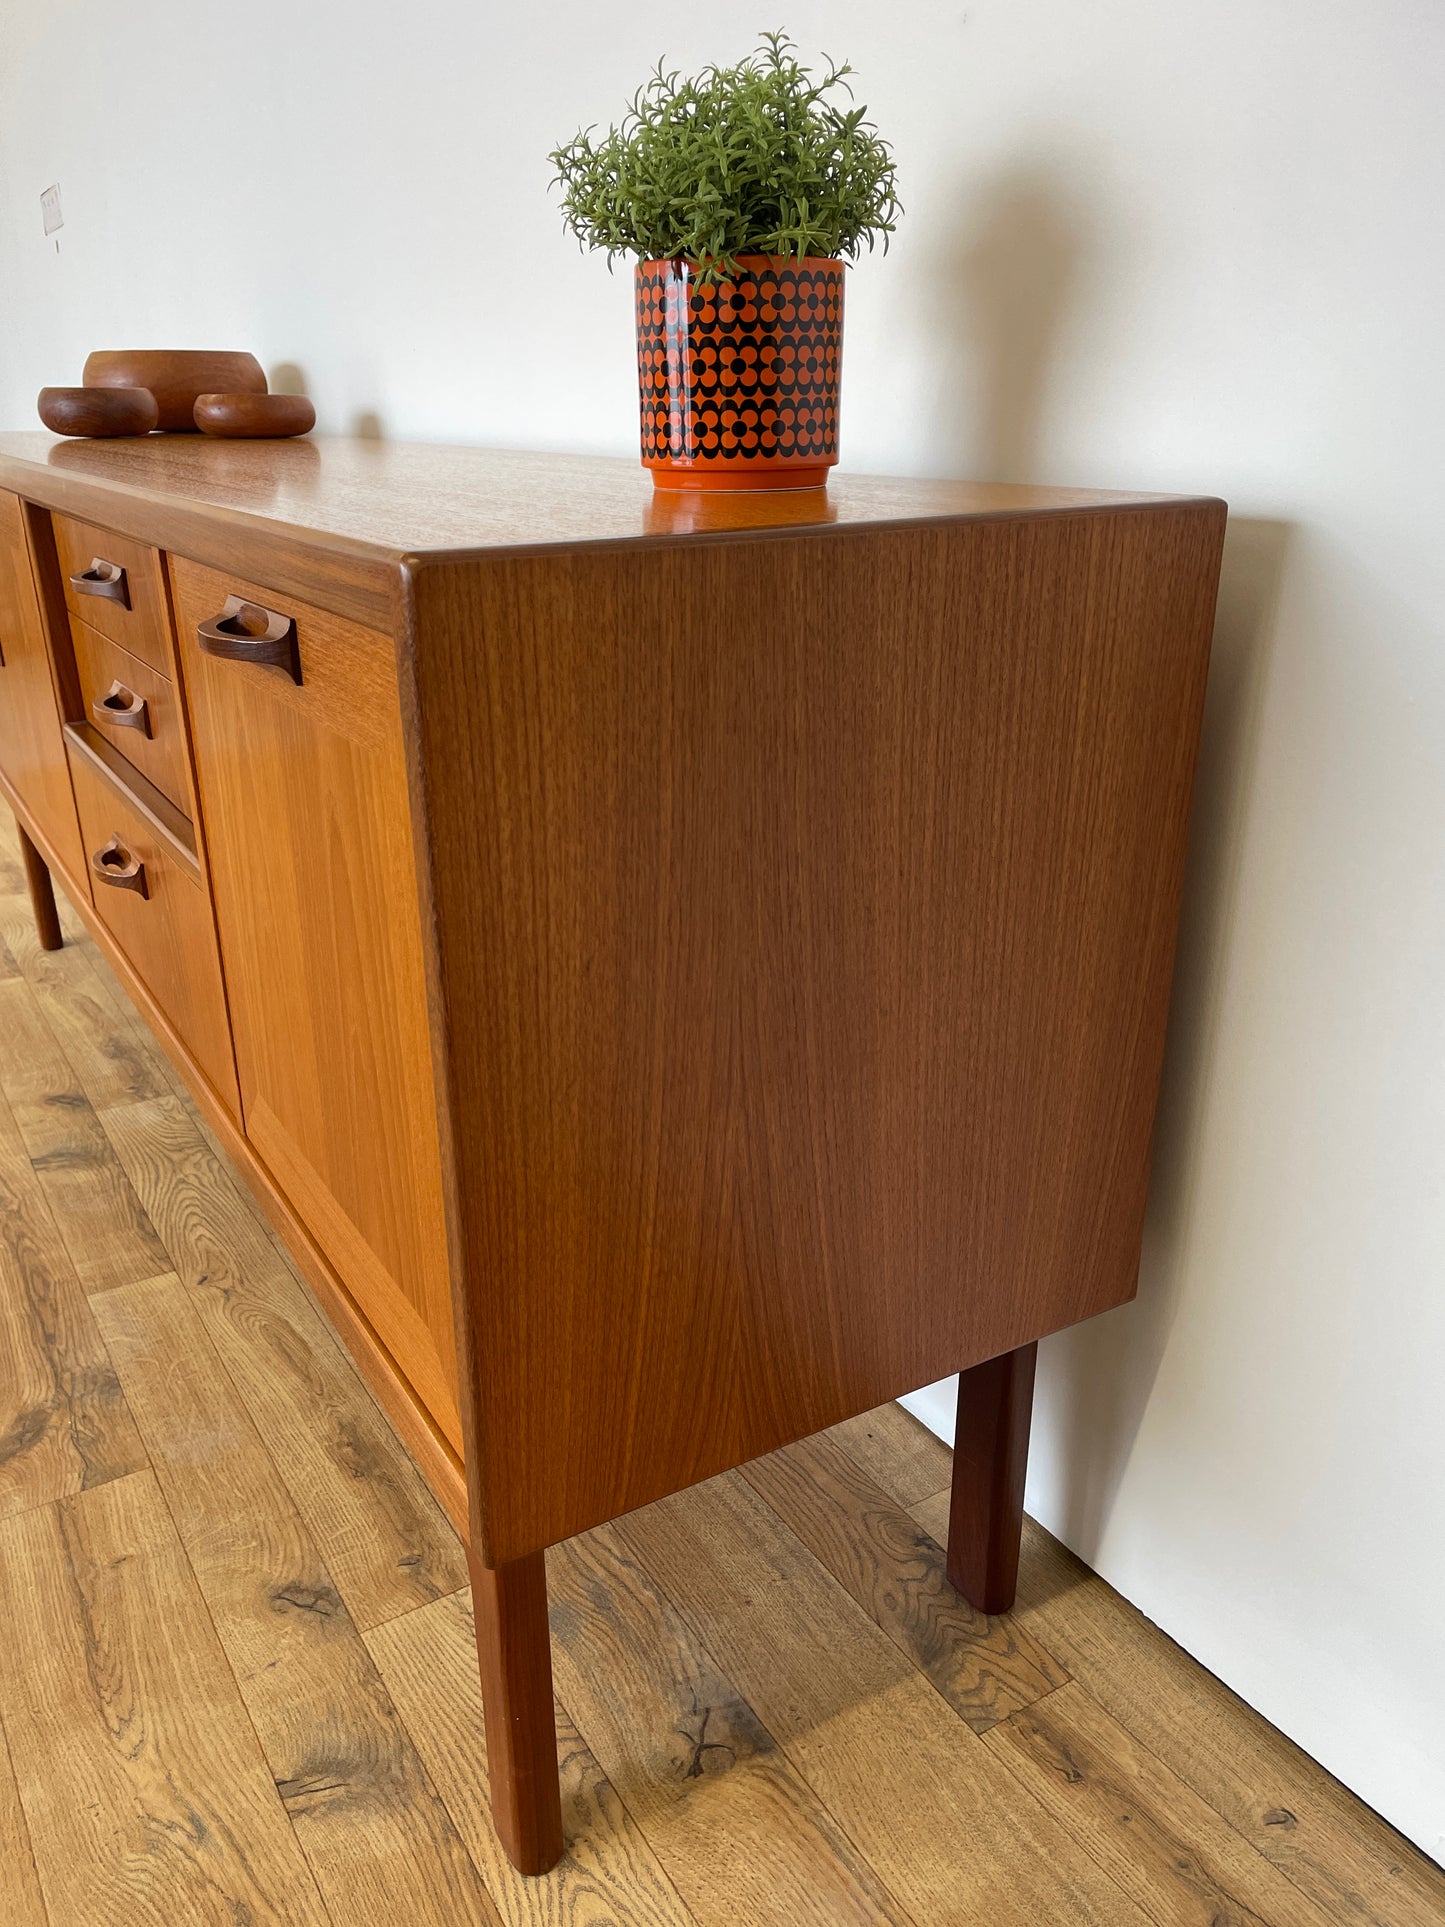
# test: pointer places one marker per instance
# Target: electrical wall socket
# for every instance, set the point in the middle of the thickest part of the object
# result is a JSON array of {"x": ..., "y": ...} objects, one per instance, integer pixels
[{"x": 50, "y": 208}]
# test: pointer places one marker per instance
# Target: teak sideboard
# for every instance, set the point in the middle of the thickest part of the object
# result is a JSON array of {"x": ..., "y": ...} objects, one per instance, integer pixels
[{"x": 677, "y": 971}]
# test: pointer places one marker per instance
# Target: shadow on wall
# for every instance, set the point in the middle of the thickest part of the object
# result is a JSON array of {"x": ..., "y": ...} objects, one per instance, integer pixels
[
  {"x": 1007, "y": 294},
  {"x": 288, "y": 378},
  {"x": 1014, "y": 287},
  {"x": 1099, "y": 1376}
]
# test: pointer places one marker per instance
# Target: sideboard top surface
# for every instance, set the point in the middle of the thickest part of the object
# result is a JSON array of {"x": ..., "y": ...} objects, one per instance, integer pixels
[{"x": 385, "y": 501}]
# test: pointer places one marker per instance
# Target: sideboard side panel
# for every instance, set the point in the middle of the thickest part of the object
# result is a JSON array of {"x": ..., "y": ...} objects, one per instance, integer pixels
[{"x": 803, "y": 913}]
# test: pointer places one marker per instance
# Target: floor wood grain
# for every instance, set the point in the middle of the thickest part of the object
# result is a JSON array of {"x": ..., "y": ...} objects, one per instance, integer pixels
[
  {"x": 24, "y": 1903},
  {"x": 237, "y": 1677},
  {"x": 64, "y": 1425},
  {"x": 428, "y": 1659},
  {"x": 143, "y": 1787},
  {"x": 380, "y": 1841},
  {"x": 107, "y": 1234}
]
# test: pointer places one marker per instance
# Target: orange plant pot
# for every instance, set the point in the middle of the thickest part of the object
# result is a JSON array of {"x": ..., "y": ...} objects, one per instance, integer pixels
[{"x": 739, "y": 379}]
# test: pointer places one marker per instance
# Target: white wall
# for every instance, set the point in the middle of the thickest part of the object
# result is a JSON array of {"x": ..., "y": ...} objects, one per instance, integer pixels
[{"x": 1148, "y": 244}]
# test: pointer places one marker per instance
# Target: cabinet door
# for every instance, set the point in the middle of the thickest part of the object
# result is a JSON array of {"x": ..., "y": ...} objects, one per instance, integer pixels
[
  {"x": 32, "y": 750},
  {"x": 303, "y": 796}
]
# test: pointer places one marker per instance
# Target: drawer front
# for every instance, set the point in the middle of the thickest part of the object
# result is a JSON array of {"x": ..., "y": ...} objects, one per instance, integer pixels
[
  {"x": 117, "y": 586},
  {"x": 134, "y": 708},
  {"x": 161, "y": 920},
  {"x": 32, "y": 749},
  {"x": 308, "y": 833}
]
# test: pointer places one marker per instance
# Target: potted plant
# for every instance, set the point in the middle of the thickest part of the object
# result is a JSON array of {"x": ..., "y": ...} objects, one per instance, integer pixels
[{"x": 742, "y": 193}]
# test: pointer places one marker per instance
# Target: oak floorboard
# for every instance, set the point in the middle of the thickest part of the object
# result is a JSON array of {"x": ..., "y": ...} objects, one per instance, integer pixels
[
  {"x": 107, "y": 1045},
  {"x": 1183, "y": 1863},
  {"x": 12, "y": 871},
  {"x": 896, "y": 1451},
  {"x": 146, "y": 1796},
  {"x": 23, "y": 1902},
  {"x": 99, "y": 1217},
  {"x": 1340, "y": 1854},
  {"x": 64, "y": 1424},
  {"x": 379, "y": 1839},
  {"x": 608, "y": 1873},
  {"x": 948, "y": 1827},
  {"x": 384, "y": 1538},
  {"x": 741, "y": 1833},
  {"x": 986, "y": 1668}
]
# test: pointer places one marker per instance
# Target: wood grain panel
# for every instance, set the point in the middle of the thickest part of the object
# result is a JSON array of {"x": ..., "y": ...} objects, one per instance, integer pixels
[
  {"x": 64, "y": 1424},
  {"x": 805, "y": 918},
  {"x": 32, "y": 755},
  {"x": 428, "y": 1659},
  {"x": 985, "y": 1668},
  {"x": 141, "y": 622},
  {"x": 382, "y": 1535},
  {"x": 945, "y": 1824},
  {"x": 146, "y": 1794},
  {"x": 159, "y": 750},
  {"x": 107, "y": 1234},
  {"x": 379, "y": 1840},
  {"x": 167, "y": 933},
  {"x": 304, "y": 795},
  {"x": 1159, "y": 1840},
  {"x": 737, "y": 1828}
]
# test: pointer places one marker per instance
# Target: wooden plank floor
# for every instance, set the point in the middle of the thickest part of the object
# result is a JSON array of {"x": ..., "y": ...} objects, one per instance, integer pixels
[{"x": 236, "y": 1671}]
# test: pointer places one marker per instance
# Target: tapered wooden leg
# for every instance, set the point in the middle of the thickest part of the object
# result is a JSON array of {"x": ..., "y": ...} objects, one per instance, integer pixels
[
  {"x": 990, "y": 1458},
  {"x": 42, "y": 894},
  {"x": 509, "y": 1604}
]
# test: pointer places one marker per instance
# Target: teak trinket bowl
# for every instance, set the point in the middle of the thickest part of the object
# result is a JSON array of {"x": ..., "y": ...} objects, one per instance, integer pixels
[
  {"x": 98, "y": 412},
  {"x": 254, "y": 417}
]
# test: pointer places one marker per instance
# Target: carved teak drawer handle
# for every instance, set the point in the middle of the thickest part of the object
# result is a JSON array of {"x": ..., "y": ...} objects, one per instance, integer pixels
[
  {"x": 103, "y": 578},
  {"x": 245, "y": 632},
  {"x": 121, "y": 708},
  {"x": 114, "y": 864}
]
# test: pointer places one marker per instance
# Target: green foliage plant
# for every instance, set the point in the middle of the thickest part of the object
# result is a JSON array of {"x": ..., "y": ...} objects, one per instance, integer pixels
[{"x": 760, "y": 158}]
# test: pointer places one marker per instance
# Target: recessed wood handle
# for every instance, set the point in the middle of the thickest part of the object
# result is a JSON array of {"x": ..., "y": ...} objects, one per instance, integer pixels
[
  {"x": 105, "y": 579},
  {"x": 245, "y": 632},
  {"x": 114, "y": 864},
  {"x": 121, "y": 708}
]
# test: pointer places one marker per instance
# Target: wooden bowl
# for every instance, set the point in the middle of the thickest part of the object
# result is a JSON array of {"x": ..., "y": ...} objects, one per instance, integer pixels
[
  {"x": 175, "y": 376},
  {"x": 254, "y": 416},
  {"x": 98, "y": 411}
]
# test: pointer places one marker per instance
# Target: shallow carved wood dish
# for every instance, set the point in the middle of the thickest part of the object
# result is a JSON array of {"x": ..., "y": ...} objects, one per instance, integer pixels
[
  {"x": 175, "y": 376},
  {"x": 254, "y": 415},
  {"x": 97, "y": 411}
]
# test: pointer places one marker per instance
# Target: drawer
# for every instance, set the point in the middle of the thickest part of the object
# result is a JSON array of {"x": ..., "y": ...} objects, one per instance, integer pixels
[
  {"x": 117, "y": 586},
  {"x": 134, "y": 708},
  {"x": 161, "y": 919}
]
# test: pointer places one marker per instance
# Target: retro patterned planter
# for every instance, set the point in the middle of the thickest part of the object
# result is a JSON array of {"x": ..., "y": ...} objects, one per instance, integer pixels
[{"x": 739, "y": 379}]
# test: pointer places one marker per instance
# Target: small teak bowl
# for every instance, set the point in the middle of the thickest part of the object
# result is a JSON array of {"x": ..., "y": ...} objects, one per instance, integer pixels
[
  {"x": 98, "y": 411},
  {"x": 254, "y": 415}
]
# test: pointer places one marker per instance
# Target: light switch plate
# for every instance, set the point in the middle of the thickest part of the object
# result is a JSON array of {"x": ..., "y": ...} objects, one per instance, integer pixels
[{"x": 50, "y": 208}]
